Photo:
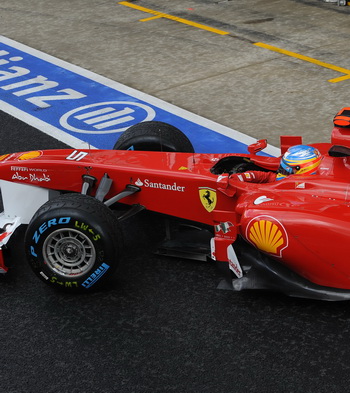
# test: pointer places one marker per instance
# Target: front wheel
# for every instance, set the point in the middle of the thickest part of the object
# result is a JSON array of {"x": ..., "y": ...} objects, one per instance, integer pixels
[{"x": 73, "y": 243}]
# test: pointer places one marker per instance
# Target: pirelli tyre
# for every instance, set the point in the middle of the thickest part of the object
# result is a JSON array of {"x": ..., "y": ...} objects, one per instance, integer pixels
[
  {"x": 154, "y": 136},
  {"x": 73, "y": 243}
]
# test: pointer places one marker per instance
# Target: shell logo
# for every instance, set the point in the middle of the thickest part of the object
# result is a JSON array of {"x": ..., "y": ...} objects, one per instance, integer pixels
[
  {"x": 29, "y": 155},
  {"x": 4, "y": 156},
  {"x": 267, "y": 234}
]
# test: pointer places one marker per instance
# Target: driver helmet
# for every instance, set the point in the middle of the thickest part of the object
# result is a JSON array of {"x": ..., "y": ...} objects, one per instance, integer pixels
[{"x": 299, "y": 160}]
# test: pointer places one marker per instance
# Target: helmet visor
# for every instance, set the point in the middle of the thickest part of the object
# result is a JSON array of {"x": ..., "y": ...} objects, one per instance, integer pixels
[{"x": 286, "y": 170}]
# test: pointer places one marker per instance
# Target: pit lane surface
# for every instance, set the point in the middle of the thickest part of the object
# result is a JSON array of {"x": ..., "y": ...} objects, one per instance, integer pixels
[
  {"x": 162, "y": 326},
  {"x": 283, "y": 67}
]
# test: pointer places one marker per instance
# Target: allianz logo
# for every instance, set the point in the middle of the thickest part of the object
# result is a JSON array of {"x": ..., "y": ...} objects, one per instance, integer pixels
[
  {"x": 102, "y": 117},
  {"x": 32, "y": 85},
  {"x": 106, "y": 117}
]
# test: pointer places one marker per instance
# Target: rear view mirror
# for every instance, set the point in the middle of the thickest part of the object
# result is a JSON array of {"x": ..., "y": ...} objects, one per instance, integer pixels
[{"x": 258, "y": 146}]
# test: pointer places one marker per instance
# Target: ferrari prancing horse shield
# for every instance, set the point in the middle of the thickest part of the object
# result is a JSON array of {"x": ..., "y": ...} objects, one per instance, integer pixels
[{"x": 208, "y": 198}]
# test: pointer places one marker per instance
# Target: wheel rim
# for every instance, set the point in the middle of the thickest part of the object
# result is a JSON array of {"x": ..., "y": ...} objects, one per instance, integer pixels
[{"x": 69, "y": 252}]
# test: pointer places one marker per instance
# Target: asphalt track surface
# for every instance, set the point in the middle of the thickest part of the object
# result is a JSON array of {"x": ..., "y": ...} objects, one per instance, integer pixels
[{"x": 161, "y": 326}]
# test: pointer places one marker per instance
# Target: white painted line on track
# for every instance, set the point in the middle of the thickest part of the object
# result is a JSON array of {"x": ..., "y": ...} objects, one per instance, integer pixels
[{"x": 45, "y": 127}]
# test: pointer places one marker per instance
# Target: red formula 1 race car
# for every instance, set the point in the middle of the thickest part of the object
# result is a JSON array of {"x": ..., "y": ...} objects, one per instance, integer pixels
[{"x": 291, "y": 235}]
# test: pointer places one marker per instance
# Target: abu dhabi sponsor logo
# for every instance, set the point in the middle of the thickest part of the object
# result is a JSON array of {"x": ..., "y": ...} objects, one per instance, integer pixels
[
  {"x": 106, "y": 117},
  {"x": 159, "y": 185},
  {"x": 32, "y": 177}
]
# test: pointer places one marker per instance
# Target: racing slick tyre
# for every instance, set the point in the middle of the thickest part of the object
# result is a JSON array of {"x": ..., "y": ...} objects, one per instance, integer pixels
[
  {"x": 73, "y": 243},
  {"x": 154, "y": 136}
]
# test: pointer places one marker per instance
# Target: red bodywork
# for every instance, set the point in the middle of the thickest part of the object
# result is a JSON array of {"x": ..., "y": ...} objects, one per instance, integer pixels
[{"x": 301, "y": 222}]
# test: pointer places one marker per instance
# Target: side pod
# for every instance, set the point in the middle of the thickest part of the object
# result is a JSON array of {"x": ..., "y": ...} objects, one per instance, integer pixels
[{"x": 263, "y": 272}]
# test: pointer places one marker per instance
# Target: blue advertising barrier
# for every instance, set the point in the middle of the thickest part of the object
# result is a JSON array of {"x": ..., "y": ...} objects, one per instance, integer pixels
[{"x": 82, "y": 109}]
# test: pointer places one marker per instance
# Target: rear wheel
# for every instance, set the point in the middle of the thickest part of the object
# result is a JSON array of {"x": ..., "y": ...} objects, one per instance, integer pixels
[
  {"x": 73, "y": 243},
  {"x": 154, "y": 136}
]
